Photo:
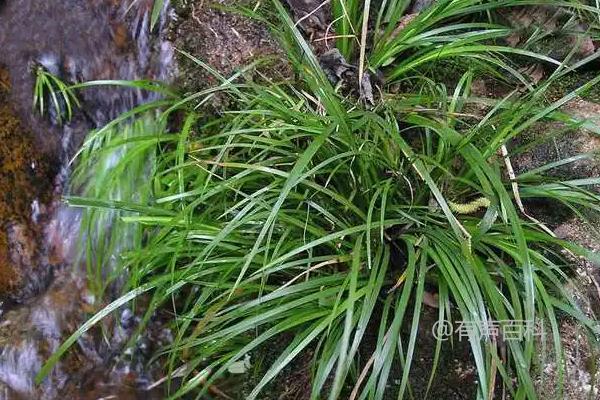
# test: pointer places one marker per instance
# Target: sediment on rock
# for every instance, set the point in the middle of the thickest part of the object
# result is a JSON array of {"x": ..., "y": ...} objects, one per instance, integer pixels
[{"x": 26, "y": 179}]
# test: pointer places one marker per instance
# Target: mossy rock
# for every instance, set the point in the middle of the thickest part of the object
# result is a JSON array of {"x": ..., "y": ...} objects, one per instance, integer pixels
[{"x": 25, "y": 176}]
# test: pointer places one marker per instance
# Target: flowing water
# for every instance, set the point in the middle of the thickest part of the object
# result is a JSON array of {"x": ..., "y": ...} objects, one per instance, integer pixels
[{"x": 78, "y": 40}]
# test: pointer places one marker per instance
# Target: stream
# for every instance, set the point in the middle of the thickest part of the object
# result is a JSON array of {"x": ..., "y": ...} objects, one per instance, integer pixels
[{"x": 77, "y": 40}]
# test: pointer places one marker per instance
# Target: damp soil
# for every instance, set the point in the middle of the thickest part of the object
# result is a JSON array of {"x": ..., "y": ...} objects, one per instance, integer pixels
[
  {"x": 455, "y": 378},
  {"x": 226, "y": 41}
]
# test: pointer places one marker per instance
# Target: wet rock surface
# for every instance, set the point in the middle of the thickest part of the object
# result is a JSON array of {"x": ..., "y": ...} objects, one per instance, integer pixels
[
  {"x": 30, "y": 333},
  {"x": 45, "y": 295},
  {"x": 26, "y": 177},
  {"x": 93, "y": 369},
  {"x": 95, "y": 39}
]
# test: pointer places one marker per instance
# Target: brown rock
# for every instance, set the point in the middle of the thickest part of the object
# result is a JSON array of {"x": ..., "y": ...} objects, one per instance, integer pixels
[{"x": 25, "y": 177}]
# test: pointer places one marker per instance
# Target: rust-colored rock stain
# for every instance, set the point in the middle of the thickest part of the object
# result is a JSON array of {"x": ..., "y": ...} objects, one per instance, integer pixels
[{"x": 24, "y": 178}]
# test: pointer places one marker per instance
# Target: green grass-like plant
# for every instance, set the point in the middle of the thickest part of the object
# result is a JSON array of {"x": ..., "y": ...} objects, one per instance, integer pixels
[
  {"x": 466, "y": 31},
  {"x": 282, "y": 214},
  {"x": 155, "y": 10},
  {"x": 51, "y": 89}
]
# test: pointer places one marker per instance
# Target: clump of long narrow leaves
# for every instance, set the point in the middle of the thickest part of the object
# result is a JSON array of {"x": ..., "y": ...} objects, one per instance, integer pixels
[
  {"x": 283, "y": 216},
  {"x": 50, "y": 89},
  {"x": 382, "y": 36},
  {"x": 122, "y": 152},
  {"x": 155, "y": 10}
]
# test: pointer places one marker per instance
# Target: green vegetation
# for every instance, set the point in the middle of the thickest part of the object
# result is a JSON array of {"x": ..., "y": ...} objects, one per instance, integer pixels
[
  {"x": 50, "y": 89},
  {"x": 156, "y": 9},
  {"x": 447, "y": 30},
  {"x": 283, "y": 213}
]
